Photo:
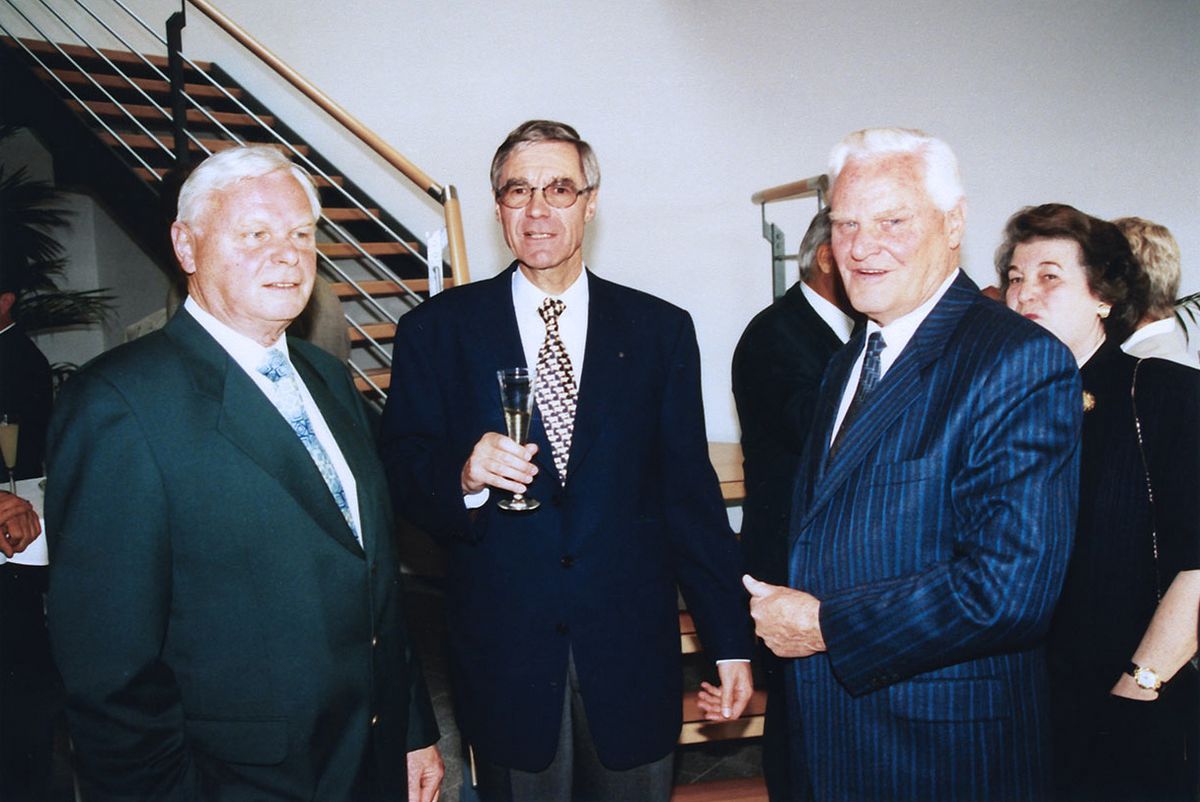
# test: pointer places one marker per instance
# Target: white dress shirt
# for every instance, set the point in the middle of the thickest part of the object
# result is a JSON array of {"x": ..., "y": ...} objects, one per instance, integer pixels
[
  {"x": 249, "y": 355},
  {"x": 1164, "y": 339},
  {"x": 895, "y": 337},
  {"x": 838, "y": 321}
]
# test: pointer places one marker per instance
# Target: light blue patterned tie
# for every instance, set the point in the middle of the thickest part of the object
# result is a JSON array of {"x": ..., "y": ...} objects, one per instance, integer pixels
[{"x": 290, "y": 403}]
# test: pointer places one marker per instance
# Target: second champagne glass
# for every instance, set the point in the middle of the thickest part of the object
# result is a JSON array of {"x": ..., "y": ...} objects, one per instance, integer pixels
[{"x": 516, "y": 397}]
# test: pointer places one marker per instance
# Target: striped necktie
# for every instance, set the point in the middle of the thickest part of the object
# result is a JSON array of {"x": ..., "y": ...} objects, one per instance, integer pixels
[{"x": 867, "y": 379}]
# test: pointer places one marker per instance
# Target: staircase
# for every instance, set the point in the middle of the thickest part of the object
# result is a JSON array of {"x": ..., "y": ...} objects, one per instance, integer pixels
[{"x": 107, "y": 113}]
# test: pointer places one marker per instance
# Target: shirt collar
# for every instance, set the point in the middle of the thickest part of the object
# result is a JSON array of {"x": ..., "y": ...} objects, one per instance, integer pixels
[
  {"x": 243, "y": 350},
  {"x": 526, "y": 295},
  {"x": 897, "y": 333},
  {"x": 1158, "y": 327},
  {"x": 841, "y": 323}
]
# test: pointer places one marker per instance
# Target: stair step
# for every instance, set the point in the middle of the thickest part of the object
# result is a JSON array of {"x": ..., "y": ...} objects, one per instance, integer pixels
[
  {"x": 146, "y": 112},
  {"x": 144, "y": 174},
  {"x": 384, "y": 289},
  {"x": 380, "y": 332},
  {"x": 381, "y": 376},
  {"x": 72, "y": 78},
  {"x": 116, "y": 56},
  {"x": 344, "y": 250},
  {"x": 147, "y": 142},
  {"x": 748, "y": 789},
  {"x": 350, "y": 215}
]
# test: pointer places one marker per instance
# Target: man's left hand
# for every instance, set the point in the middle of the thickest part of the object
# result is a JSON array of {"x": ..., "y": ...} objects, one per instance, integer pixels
[
  {"x": 729, "y": 700},
  {"x": 786, "y": 619},
  {"x": 425, "y": 771}
]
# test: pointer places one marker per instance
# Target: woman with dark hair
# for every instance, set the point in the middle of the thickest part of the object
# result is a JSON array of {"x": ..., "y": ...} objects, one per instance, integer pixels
[{"x": 1124, "y": 703}]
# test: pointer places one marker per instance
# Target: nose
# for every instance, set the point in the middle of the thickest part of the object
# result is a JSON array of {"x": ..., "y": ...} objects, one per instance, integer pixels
[
  {"x": 863, "y": 244},
  {"x": 286, "y": 252},
  {"x": 1025, "y": 293},
  {"x": 537, "y": 206}
]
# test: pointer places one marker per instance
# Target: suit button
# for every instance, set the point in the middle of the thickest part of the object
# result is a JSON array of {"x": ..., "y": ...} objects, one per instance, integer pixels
[
  {"x": 375, "y": 720},
  {"x": 561, "y": 628},
  {"x": 567, "y": 561},
  {"x": 374, "y": 641}
]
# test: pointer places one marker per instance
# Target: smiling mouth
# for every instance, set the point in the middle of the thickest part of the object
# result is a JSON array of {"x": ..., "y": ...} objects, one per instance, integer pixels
[
  {"x": 282, "y": 285},
  {"x": 537, "y": 235}
]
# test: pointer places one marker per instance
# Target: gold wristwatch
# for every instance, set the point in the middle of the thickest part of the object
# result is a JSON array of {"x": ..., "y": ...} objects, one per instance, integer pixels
[{"x": 1145, "y": 678}]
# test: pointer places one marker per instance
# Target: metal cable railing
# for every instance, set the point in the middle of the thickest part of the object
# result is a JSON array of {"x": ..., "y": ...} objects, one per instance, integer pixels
[
  {"x": 351, "y": 247},
  {"x": 817, "y": 185}
]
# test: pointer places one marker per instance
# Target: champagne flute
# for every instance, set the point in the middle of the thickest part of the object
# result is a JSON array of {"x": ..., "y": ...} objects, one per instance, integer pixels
[
  {"x": 8, "y": 448},
  {"x": 516, "y": 398}
]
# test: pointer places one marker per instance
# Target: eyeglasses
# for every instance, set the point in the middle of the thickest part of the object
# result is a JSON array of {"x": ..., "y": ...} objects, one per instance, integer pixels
[{"x": 559, "y": 194}]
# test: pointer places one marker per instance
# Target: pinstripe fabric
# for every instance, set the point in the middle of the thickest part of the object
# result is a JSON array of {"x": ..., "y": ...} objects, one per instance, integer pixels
[{"x": 937, "y": 539}]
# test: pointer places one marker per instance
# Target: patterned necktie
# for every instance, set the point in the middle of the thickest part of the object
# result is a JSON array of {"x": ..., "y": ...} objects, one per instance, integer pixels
[
  {"x": 290, "y": 403},
  {"x": 555, "y": 391},
  {"x": 866, "y": 385}
]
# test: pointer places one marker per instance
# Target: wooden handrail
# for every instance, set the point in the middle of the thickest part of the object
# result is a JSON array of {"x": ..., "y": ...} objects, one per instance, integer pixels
[
  {"x": 446, "y": 196},
  {"x": 796, "y": 189},
  {"x": 372, "y": 140}
]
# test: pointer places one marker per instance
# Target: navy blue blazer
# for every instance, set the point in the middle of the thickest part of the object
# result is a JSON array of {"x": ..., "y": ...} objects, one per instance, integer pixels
[
  {"x": 595, "y": 568},
  {"x": 937, "y": 540},
  {"x": 221, "y": 633}
]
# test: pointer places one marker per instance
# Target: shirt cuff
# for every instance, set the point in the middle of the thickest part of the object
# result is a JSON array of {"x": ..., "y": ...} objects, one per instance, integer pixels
[
  {"x": 734, "y": 660},
  {"x": 473, "y": 501}
]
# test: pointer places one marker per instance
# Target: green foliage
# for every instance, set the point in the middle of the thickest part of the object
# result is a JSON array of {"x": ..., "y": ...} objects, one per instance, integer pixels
[
  {"x": 31, "y": 257},
  {"x": 1189, "y": 306}
]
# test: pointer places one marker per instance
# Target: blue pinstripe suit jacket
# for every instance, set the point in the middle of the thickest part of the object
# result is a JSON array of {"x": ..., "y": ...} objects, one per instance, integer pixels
[{"x": 937, "y": 540}]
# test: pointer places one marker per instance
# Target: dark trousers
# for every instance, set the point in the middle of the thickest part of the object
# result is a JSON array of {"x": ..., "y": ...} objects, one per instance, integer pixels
[
  {"x": 30, "y": 689},
  {"x": 576, "y": 773}
]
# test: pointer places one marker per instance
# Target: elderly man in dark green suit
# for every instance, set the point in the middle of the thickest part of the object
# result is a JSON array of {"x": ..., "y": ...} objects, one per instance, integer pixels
[{"x": 225, "y": 602}]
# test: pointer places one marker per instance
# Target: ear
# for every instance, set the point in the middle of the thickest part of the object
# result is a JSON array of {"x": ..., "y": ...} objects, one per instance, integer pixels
[
  {"x": 184, "y": 241},
  {"x": 956, "y": 221},
  {"x": 590, "y": 210},
  {"x": 823, "y": 258}
]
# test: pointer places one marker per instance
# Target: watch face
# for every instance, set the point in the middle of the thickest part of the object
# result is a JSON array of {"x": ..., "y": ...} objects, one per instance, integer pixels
[{"x": 1146, "y": 678}]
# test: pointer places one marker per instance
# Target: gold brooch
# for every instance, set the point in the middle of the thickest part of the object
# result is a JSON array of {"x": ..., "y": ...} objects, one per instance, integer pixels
[{"x": 1089, "y": 401}]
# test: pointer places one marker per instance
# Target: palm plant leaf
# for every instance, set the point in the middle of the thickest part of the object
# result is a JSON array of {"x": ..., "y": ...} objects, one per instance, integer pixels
[
  {"x": 62, "y": 309},
  {"x": 1188, "y": 305},
  {"x": 29, "y": 214}
]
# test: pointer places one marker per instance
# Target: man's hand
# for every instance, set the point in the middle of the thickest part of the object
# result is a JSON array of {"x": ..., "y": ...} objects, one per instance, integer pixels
[
  {"x": 425, "y": 770},
  {"x": 786, "y": 619},
  {"x": 728, "y": 701},
  {"x": 498, "y": 461},
  {"x": 19, "y": 524}
]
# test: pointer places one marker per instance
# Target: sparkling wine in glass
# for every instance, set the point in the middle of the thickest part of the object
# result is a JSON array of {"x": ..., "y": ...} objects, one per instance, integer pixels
[
  {"x": 8, "y": 448},
  {"x": 516, "y": 397}
]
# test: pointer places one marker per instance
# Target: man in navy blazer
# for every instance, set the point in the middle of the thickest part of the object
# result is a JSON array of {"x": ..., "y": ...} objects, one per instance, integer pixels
[
  {"x": 225, "y": 597},
  {"x": 934, "y": 509},
  {"x": 563, "y": 623}
]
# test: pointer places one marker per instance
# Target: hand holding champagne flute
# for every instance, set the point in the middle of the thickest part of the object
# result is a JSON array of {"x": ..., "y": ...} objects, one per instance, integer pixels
[
  {"x": 516, "y": 398},
  {"x": 9, "y": 429}
]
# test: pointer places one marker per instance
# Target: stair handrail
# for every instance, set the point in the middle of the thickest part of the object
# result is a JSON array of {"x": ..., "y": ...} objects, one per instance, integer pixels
[
  {"x": 815, "y": 185},
  {"x": 446, "y": 196}
]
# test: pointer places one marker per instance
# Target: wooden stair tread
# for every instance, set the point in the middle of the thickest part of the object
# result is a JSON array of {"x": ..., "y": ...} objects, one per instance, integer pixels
[
  {"x": 214, "y": 145},
  {"x": 748, "y": 789},
  {"x": 350, "y": 215},
  {"x": 148, "y": 112},
  {"x": 384, "y": 289},
  {"x": 381, "y": 332},
  {"x": 344, "y": 250},
  {"x": 144, "y": 174},
  {"x": 381, "y": 376},
  {"x": 73, "y": 78},
  {"x": 689, "y": 641},
  {"x": 118, "y": 56}
]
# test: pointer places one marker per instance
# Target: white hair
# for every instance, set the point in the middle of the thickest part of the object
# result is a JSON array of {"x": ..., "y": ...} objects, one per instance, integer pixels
[
  {"x": 228, "y": 167},
  {"x": 942, "y": 181}
]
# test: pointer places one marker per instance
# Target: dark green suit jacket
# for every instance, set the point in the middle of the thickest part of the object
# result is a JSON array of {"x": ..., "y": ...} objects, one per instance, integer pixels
[{"x": 220, "y": 632}]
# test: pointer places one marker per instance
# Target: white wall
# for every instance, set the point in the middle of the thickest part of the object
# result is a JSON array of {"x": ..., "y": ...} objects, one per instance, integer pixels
[{"x": 692, "y": 105}]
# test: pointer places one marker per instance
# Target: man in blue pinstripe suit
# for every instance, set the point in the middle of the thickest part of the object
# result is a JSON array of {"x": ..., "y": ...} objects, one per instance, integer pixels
[{"x": 933, "y": 511}]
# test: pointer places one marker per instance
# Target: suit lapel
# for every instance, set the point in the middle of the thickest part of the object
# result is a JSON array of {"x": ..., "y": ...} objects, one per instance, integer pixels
[
  {"x": 904, "y": 383},
  {"x": 250, "y": 422},
  {"x": 605, "y": 360}
]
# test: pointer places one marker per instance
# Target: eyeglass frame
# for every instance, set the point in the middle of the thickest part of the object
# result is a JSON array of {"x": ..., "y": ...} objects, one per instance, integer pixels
[{"x": 546, "y": 198}]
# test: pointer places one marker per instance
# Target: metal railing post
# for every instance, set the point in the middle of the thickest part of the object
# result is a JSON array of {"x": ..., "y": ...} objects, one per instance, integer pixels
[{"x": 175, "y": 24}]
